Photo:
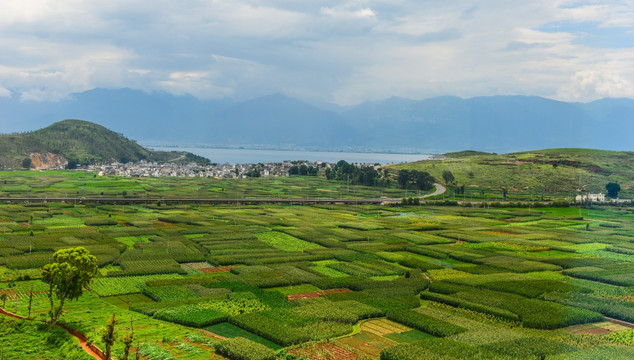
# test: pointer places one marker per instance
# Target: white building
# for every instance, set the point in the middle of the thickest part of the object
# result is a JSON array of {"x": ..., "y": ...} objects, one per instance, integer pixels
[{"x": 590, "y": 198}]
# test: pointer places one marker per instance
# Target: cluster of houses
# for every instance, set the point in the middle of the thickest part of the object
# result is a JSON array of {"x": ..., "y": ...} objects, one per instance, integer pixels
[
  {"x": 597, "y": 198},
  {"x": 218, "y": 171}
]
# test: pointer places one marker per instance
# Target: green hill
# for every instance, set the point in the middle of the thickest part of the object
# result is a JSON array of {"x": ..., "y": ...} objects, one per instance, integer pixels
[
  {"x": 550, "y": 171},
  {"x": 78, "y": 142}
]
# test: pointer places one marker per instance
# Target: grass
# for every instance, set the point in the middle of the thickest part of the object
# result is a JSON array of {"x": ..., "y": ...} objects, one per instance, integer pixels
[
  {"x": 286, "y": 242},
  {"x": 229, "y": 330},
  {"x": 533, "y": 174}
]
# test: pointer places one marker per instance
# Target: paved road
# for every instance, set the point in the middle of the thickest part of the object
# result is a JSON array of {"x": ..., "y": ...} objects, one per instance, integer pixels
[{"x": 439, "y": 191}]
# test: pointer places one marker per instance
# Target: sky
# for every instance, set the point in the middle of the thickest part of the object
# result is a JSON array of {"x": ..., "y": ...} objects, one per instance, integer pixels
[{"x": 344, "y": 52}]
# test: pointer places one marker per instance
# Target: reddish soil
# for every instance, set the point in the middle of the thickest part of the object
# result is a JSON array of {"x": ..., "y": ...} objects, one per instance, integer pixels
[
  {"x": 11, "y": 294},
  {"x": 587, "y": 329},
  {"x": 315, "y": 294},
  {"x": 91, "y": 349},
  {"x": 212, "y": 334},
  {"x": 161, "y": 224},
  {"x": 215, "y": 269},
  {"x": 596, "y": 331},
  {"x": 324, "y": 351}
]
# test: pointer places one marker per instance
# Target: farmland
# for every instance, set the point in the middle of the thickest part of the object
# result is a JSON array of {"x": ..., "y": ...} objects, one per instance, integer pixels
[{"x": 347, "y": 281}]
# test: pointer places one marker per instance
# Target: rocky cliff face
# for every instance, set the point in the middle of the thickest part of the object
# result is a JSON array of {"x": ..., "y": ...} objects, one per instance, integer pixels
[{"x": 47, "y": 161}]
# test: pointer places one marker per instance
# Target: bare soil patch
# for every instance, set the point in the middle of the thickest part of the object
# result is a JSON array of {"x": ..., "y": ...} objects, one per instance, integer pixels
[
  {"x": 324, "y": 350},
  {"x": 215, "y": 269},
  {"x": 312, "y": 295}
]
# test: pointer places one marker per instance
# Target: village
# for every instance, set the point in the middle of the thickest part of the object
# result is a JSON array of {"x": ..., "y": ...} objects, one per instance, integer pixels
[{"x": 219, "y": 171}]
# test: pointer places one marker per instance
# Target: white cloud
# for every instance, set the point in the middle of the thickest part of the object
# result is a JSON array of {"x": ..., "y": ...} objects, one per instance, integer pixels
[
  {"x": 4, "y": 92},
  {"x": 347, "y": 52},
  {"x": 345, "y": 12}
]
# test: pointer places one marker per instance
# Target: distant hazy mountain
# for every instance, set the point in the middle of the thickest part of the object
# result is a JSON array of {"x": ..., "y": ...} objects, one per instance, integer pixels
[
  {"x": 139, "y": 115},
  {"x": 277, "y": 120},
  {"x": 496, "y": 123}
]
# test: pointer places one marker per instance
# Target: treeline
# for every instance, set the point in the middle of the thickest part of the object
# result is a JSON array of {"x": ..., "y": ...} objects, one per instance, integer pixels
[
  {"x": 417, "y": 180},
  {"x": 356, "y": 175},
  {"x": 303, "y": 170}
]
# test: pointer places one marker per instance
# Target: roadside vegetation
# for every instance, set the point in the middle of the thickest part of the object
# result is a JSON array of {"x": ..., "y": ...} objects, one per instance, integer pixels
[{"x": 530, "y": 175}]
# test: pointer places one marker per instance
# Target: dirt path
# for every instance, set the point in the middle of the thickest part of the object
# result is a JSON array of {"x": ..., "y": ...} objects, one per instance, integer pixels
[
  {"x": 620, "y": 322},
  {"x": 91, "y": 350},
  {"x": 212, "y": 334}
]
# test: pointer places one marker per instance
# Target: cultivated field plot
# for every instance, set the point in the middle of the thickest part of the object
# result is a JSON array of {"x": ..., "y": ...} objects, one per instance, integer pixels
[{"x": 338, "y": 282}]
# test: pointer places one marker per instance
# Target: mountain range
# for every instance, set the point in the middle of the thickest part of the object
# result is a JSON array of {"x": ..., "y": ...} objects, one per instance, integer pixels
[{"x": 494, "y": 124}]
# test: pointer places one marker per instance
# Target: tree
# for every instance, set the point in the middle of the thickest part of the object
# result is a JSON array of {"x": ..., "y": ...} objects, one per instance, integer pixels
[
  {"x": 424, "y": 181},
  {"x": 127, "y": 340},
  {"x": 30, "y": 300},
  {"x": 71, "y": 270},
  {"x": 72, "y": 164},
  {"x": 404, "y": 177},
  {"x": 109, "y": 334},
  {"x": 26, "y": 163},
  {"x": 3, "y": 297},
  {"x": 613, "y": 190},
  {"x": 447, "y": 176}
]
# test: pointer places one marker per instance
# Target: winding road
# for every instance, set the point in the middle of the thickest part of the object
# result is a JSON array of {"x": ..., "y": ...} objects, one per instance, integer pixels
[{"x": 439, "y": 191}]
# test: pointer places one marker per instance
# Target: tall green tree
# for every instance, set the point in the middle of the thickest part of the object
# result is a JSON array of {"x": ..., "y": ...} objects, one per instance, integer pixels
[
  {"x": 109, "y": 334},
  {"x": 127, "y": 340},
  {"x": 424, "y": 181},
  {"x": 447, "y": 176},
  {"x": 404, "y": 177},
  {"x": 613, "y": 190},
  {"x": 71, "y": 270}
]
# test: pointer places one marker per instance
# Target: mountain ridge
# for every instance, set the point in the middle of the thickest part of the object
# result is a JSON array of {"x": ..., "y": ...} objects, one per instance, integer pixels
[
  {"x": 72, "y": 142},
  {"x": 441, "y": 124}
]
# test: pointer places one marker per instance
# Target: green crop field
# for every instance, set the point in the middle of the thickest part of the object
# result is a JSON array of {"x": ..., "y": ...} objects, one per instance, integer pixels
[{"x": 352, "y": 281}]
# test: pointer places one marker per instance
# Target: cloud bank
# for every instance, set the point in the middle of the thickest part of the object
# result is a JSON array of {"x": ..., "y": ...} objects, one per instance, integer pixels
[{"x": 343, "y": 52}]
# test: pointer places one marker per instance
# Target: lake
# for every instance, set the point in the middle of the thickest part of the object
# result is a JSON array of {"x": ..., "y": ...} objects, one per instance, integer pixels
[{"x": 249, "y": 156}]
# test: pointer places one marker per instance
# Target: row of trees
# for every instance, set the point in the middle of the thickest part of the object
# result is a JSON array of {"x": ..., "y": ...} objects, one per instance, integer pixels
[
  {"x": 356, "y": 175},
  {"x": 417, "y": 180},
  {"x": 303, "y": 170}
]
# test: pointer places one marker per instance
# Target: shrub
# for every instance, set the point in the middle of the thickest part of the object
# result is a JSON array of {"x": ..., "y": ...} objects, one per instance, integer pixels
[
  {"x": 96, "y": 221},
  {"x": 438, "y": 349},
  {"x": 240, "y": 348},
  {"x": 530, "y": 347},
  {"x": 425, "y": 323}
]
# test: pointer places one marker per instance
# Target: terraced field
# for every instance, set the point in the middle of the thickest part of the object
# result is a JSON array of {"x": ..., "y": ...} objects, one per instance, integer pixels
[{"x": 344, "y": 282}]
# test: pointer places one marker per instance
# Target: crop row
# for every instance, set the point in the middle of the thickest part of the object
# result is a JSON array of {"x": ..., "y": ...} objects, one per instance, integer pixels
[
  {"x": 425, "y": 323},
  {"x": 532, "y": 312},
  {"x": 207, "y": 313},
  {"x": 108, "y": 286}
]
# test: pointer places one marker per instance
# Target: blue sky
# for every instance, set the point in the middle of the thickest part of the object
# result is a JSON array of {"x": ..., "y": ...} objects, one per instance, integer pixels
[{"x": 345, "y": 52}]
